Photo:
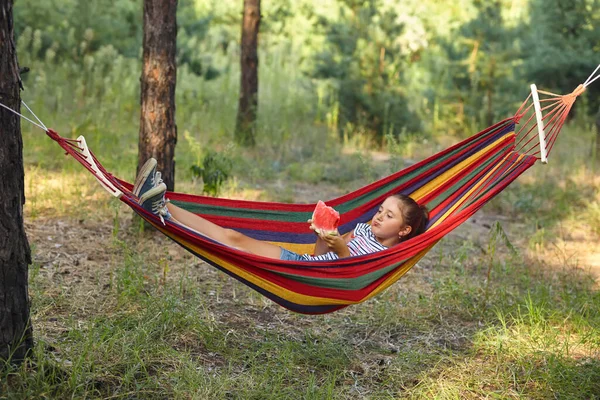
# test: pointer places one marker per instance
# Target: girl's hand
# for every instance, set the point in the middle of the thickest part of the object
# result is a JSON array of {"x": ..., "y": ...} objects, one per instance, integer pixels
[
  {"x": 336, "y": 243},
  {"x": 321, "y": 232},
  {"x": 316, "y": 230}
]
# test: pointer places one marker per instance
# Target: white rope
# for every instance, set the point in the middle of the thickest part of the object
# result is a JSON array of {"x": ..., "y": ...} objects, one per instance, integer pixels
[
  {"x": 36, "y": 117},
  {"x": 25, "y": 118},
  {"x": 589, "y": 80}
]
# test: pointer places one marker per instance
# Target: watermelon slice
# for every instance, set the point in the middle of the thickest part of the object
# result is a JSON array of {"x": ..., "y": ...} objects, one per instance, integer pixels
[{"x": 325, "y": 218}]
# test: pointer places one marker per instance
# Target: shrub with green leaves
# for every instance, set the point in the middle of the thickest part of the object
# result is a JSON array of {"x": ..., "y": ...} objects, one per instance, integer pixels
[{"x": 214, "y": 171}]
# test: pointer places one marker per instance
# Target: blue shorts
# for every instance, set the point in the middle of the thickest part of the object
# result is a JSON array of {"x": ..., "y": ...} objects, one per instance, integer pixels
[{"x": 287, "y": 255}]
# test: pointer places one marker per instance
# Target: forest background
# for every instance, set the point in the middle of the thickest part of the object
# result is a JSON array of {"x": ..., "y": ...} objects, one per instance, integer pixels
[
  {"x": 343, "y": 86},
  {"x": 370, "y": 73}
]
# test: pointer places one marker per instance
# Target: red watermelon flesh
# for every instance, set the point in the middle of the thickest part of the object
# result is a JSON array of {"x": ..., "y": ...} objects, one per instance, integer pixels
[{"x": 325, "y": 217}]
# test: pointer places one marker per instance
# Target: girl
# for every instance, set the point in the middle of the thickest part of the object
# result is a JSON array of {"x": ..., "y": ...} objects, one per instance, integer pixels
[{"x": 399, "y": 218}]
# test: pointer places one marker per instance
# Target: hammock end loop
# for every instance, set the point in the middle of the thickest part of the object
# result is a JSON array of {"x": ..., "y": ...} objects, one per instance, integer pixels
[
  {"x": 52, "y": 134},
  {"x": 100, "y": 177},
  {"x": 540, "y": 124},
  {"x": 578, "y": 90}
]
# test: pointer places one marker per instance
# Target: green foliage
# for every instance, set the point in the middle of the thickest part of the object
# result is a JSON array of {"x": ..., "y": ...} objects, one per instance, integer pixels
[
  {"x": 363, "y": 60},
  {"x": 499, "y": 235},
  {"x": 382, "y": 67},
  {"x": 562, "y": 42},
  {"x": 63, "y": 25},
  {"x": 193, "y": 38},
  {"x": 593, "y": 215},
  {"x": 480, "y": 77},
  {"x": 214, "y": 170}
]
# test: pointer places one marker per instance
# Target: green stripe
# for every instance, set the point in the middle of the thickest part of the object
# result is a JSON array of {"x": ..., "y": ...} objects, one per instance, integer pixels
[
  {"x": 359, "y": 201},
  {"x": 350, "y": 284},
  {"x": 267, "y": 215}
]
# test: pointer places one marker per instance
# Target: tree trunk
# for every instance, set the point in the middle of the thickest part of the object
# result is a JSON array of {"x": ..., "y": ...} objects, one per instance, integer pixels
[
  {"x": 158, "y": 132},
  {"x": 245, "y": 126},
  {"x": 598, "y": 137},
  {"x": 16, "y": 337}
]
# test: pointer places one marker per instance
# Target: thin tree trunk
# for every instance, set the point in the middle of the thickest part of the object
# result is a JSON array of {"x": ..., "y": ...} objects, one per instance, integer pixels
[
  {"x": 598, "y": 137},
  {"x": 158, "y": 131},
  {"x": 245, "y": 126},
  {"x": 16, "y": 337},
  {"x": 490, "y": 93}
]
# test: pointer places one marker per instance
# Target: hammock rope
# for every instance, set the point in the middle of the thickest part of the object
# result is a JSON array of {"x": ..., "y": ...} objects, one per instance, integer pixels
[
  {"x": 40, "y": 125},
  {"x": 454, "y": 184},
  {"x": 556, "y": 109},
  {"x": 589, "y": 80}
]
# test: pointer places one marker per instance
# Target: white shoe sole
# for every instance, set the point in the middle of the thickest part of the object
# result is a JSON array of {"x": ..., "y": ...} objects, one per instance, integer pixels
[{"x": 143, "y": 175}]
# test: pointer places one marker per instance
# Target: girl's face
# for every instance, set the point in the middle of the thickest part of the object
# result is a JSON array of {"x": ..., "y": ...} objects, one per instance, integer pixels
[{"x": 388, "y": 224}]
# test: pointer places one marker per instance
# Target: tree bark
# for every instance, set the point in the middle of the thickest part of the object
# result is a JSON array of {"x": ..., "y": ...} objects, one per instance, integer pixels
[
  {"x": 245, "y": 126},
  {"x": 16, "y": 337},
  {"x": 598, "y": 137},
  {"x": 158, "y": 131}
]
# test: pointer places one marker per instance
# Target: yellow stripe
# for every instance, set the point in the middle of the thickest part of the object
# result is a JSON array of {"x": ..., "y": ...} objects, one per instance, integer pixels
[
  {"x": 297, "y": 248},
  {"x": 289, "y": 295},
  {"x": 443, "y": 178},
  {"x": 458, "y": 202},
  {"x": 474, "y": 188}
]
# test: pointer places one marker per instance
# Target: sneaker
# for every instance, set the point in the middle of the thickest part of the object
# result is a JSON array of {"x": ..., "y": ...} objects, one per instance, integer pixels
[
  {"x": 157, "y": 178},
  {"x": 146, "y": 178},
  {"x": 154, "y": 201}
]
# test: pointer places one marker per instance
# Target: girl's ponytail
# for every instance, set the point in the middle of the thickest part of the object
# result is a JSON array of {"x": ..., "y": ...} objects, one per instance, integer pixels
[
  {"x": 416, "y": 216},
  {"x": 424, "y": 219}
]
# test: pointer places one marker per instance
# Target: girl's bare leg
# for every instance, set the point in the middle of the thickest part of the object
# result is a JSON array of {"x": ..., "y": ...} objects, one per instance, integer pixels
[{"x": 226, "y": 236}]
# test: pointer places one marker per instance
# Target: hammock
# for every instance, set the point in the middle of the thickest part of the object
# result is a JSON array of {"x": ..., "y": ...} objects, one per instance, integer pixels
[{"x": 453, "y": 184}]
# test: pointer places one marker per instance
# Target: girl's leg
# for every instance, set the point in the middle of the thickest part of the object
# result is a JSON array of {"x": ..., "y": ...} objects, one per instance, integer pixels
[{"x": 226, "y": 236}]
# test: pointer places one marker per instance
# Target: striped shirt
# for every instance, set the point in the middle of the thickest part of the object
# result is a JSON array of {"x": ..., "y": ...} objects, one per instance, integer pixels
[{"x": 363, "y": 242}]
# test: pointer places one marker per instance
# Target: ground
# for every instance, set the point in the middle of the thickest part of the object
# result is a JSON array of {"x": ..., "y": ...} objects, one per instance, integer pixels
[{"x": 423, "y": 329}]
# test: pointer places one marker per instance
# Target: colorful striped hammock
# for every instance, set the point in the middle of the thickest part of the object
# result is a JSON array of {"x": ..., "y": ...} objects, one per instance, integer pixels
[{"x": 453, "y": 184}]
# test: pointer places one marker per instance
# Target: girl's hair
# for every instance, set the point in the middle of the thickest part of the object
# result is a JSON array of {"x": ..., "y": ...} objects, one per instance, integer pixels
[{"x": 414, "y": 215}]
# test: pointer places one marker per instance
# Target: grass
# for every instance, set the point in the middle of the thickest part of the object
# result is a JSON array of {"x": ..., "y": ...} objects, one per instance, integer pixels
[
  {"x": 119, "y": 312},
  {"x": 157, "y": 324},
  {"x": 122, "y": 313}
]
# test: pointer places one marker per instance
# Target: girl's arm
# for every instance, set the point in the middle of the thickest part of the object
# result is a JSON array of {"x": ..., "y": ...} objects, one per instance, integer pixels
[
  {"x": 332, "y": 242},
  {"x": 337, "y": 244},
  {"x": 322, "y": 246}
]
